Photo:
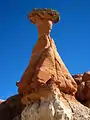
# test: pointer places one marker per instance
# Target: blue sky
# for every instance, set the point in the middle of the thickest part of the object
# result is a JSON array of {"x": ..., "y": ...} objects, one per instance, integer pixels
[{"x": 18, "y": 36}]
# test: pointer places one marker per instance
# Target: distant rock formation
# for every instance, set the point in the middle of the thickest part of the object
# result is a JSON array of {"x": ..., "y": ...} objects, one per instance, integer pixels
[{"x": 83, "y": 91}]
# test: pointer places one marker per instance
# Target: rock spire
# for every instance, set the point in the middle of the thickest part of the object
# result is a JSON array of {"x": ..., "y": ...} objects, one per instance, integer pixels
[{"x": 46, "y": 70}]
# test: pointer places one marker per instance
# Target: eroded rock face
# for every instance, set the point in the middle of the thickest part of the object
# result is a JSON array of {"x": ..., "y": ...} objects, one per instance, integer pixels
[
  {"x": 45, "y": 69},
  {"x": 83, "y": 91},
  {"x": 56, "y": 107}
]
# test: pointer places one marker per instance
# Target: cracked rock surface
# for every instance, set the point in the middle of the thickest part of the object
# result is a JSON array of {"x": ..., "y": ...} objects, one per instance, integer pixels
[{"x": 56, "y": 107}]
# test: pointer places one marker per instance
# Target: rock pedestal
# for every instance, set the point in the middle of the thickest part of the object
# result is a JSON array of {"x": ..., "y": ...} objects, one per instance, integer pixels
[{"x": 46, "y": 70}]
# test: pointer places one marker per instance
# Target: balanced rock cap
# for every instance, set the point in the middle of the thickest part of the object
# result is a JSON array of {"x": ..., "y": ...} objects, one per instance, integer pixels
[{"x": 45, "y": 13}]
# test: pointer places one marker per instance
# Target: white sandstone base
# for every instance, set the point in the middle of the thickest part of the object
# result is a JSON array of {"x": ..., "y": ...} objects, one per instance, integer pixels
[{"x": 53, "y": 108}]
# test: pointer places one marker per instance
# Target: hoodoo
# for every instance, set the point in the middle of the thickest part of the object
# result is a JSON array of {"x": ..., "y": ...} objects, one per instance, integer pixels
[{"x": 46, "y": 70}]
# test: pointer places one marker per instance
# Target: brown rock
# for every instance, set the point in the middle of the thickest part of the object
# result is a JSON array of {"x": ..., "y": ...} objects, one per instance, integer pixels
[
  {"x": 48, "y": 14},
  {"x": 83, "y": 91},
  {"x": 78, "y": 78},
  {"x": 86, "y": 76},
  {"x": 11, "y": 108},
  {"x": 86, "y": 91},
  {"x": 45, "y": 65}
]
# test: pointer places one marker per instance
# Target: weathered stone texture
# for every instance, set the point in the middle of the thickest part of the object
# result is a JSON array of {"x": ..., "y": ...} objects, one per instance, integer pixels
[
  {"x": 56, "y": 107},
  {"x": 45, "y": 66}
]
